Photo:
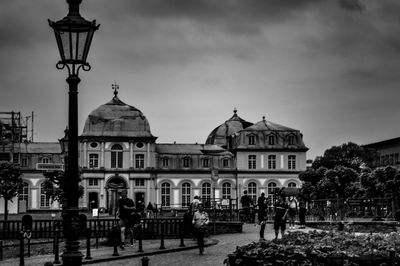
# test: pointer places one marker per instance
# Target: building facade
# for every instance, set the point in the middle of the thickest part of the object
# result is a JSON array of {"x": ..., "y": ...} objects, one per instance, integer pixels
[
  {"x": 388, "y": 152},
  {"x": 118, "y": 151}
]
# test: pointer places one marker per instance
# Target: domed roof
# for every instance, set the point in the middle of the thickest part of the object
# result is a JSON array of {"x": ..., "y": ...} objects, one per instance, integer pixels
[
  {"x": 116, "y": 119},
  {"x": 221, "y": 133}
]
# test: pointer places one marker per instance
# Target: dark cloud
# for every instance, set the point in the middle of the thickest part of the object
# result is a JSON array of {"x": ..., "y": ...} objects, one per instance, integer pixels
[{"x": 353, "y": 5}]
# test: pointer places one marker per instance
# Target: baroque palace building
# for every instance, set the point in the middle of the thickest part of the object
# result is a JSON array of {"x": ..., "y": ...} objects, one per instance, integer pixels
[{"x": 118, "y": 151}]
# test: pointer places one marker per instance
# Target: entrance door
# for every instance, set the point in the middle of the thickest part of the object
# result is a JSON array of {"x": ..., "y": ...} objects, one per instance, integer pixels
[
  {"x": 93, "y": 200},
  {"x": 139, "y": 200},
  {"x": 113, "y": 188}
]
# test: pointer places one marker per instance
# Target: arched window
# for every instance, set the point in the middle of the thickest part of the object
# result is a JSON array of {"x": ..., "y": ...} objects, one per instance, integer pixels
[
  {"x": 23, "y": 193},
  {"x": 206, "y": 192},
  {"x": 116, "y": 156},
  {"x": 226, "y": 190},
  {"x": 271, "y": 190},
  {"x": 165, "y": 194},
  {"x": 292, "y": 184},
  {"x": 186, "y": 194},
  {"x": 44, "y": 200},
  {"x": 252, "y": 191}
]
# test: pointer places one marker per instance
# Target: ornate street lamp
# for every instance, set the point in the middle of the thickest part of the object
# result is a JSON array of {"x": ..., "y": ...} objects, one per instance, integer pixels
[{"x": 73, "y": 35}]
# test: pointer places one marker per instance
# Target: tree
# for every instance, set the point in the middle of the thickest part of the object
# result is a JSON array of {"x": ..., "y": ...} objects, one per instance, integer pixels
[
  {"x": 54, "y": 186},
  {"x": 338, "y": 182},
  {"x": 348, "y": 155},
  {"x": 10, "y": 183},
  {"x": 310, "y": 179}
]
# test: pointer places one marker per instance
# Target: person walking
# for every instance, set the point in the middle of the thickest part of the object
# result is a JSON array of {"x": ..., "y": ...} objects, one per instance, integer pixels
[
  {"x": 125, "y": 208},
  {"x": 292, "y": 211},
  {"x": 149, "y": 209},
  {"x": 200, "y": 222},
  {"x": 246, "y": 202},
  {"x": 281, "y": 211},
  {"x": 262, "y": 213}
]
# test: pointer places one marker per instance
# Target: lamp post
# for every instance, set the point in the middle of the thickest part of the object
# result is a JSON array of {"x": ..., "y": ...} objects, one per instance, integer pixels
[{"x": 74, "y": 36}]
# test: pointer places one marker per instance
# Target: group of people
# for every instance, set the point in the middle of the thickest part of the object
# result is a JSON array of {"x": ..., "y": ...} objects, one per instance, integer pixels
[{"x": 284, "y": 210}]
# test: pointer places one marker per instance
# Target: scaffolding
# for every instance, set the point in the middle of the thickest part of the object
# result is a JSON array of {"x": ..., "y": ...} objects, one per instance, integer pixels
[{"x": 14, "y": 130}]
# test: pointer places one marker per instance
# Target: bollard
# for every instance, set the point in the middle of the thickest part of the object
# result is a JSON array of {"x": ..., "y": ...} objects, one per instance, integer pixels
[
  {"x": 140, "y": 235},
  {"x": 162, "y": 235},
  {"x": 88, "y": 257},
  {"x": 115, "y": 239},
  {"x": 145, "y": 261},
  {"x": 29, "y": 247},
  {"x": 21, "y": 249},
  {"x": 56, "y": 247}
]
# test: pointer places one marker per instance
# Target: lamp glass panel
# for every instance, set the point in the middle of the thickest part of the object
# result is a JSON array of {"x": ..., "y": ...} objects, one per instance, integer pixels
[
  {"x": 80, "y": 45},
  {"x": 66, "y": 45}
]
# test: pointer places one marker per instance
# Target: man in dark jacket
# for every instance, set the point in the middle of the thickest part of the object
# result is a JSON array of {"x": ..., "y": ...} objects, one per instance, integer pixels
[{"x": 246, "y": 202}]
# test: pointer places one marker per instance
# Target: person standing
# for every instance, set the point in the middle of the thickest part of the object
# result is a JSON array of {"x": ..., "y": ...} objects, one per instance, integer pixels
[
  {"x": 125, "y": 208},
  {"x": 292, "y": 211},
  {"x": 246, "y": 202},
  {"x": 262, "y": 213},
  {"x": 281, "y": 210},
  {"x": 302, "y": 213},
  {"x": 200, "y": 221},
  {"x": 149, "y": 209}
]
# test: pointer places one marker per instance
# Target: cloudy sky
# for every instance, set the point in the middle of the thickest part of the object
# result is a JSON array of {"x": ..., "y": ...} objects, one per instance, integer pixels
[{"x": 330, "y": 68}]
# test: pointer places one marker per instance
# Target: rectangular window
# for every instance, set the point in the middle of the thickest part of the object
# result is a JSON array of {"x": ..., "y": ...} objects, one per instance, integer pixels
[
  {"x": 139, "y": 161},
  {"x": 186, "y": 162},
  {"x": 225, "y": 163},
  {"x": 16, "y": 158},
  {"x": 271, "y": 161},
  {"x": 139, "y": 182},
  {"x": 206, "y": 162},
  {"x": 93, "y": 160},
  {"x": 291, "y": 140},
  {"x": 24, "y": 162},
  {"x": 116, "y": 159},
  {"x": 93, "y": 182},
  {"x": 252, "y": 140},
  {"x": 292, "y": 162},
  {"x": 271, "y": 140},
  {"x": 252, "y": 162},
  {"x": 165, "y": 162}
]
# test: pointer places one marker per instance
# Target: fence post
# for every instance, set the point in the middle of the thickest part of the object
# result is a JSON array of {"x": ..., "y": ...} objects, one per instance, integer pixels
[
  {"x": 115, "y": 239},
  {"x": 89, "y": 232},
  {"x": 1, "y": 250},
  {"x": 56, "y": 247},
  {"x": 162, "y": 235},
  {"x": 21, "y": 249},
  {"x": 140, "y": 236},
  {"x": 182, "y": 234},
  {"x": 145, "y": 261}
]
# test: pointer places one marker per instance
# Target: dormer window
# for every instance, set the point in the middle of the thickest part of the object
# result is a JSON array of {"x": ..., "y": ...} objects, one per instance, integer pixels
[
  {"x": 165, "y": 162},
  {"x": 271, "y": 140},
  {"x": 186, "y": 162},
  {"x": 291, "y": 140},
  {"x": 252, "y": 140},
  {"x": 206, "y": 162},
  {"x": 225, "y": 162},
  {"x": 45, "y": 160}
]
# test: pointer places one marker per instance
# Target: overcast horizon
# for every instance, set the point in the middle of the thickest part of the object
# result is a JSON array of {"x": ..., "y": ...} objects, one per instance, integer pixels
[{"x": 325, "y": 67}]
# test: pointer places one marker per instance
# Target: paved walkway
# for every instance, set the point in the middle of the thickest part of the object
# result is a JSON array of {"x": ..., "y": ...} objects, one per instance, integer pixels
[{"x": 218, "y": 247}]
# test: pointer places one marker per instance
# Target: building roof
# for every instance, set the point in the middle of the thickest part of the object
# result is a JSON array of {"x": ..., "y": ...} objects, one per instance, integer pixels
[
  {"x": 265, "y": 125},
  {"x": 189, "y": 149},
  {"x": 38, "y": 147},
  {"x": 383, "y": 143},
  {"x": 116, "y": 119},
  {"x": 231, "y": 126}
]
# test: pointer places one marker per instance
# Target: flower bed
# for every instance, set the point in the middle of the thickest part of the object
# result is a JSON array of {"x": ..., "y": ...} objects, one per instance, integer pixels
[{"x": 320, "y": 248}]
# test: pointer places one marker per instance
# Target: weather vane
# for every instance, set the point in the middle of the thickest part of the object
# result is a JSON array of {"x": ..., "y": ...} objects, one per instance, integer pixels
[{"x": 115, "y": 87}]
